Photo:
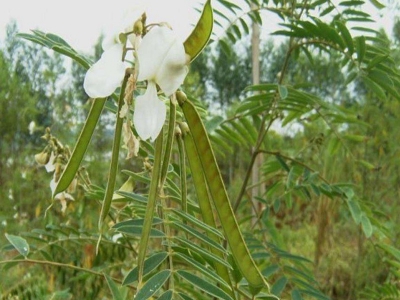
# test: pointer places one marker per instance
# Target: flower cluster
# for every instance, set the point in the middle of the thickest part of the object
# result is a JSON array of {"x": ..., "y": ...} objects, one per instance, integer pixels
[
  {"x": 159, "y": 59},
  {"x": 53, "y": 158}
]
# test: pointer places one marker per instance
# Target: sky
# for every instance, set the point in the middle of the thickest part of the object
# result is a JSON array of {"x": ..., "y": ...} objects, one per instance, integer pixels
[{"x": 80, "y": 22}]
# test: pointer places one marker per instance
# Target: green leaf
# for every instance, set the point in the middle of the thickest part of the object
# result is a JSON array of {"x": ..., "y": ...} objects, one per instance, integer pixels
[
  {"x": 205, "y": 239},
  {"x": 268, "y": 271},
  {"x": 196, "y": 222},
  {"x": 202, "y": 252},
  {"x": 360, "y": 47},
  {"x": 57, "y": 44},
  {"x": 138, "y": 231},
  {"x": 346, "y": 36},
  {"x": 113, "y": 288},
  {"x": 212, "y": 124},
  {"x": 374, "y": 87},
  {"x": 278, "y": 287},
  {"x": 391, "y": 250},
  {"x": 282, "y": 163},
  {"x": 296, "y": 295},
  {"x": 377, "y": 4},
  {"x": 327, "y": 11},
  {"x": 288, "y": 270},
  {"x": 200, "y": 267},
  {"x": 81, "y": 146},
  {"x": 19, "y": 243},
  {"x": 366, "y": 226},
  {"x": 201, "y": 34},
  {"x": 208, "y": 288},
  {"x": 366, "y": 164},
  {"x": 377, "y": 60},
  {"x": 166, "y": 296},
  {"x": 152, "y": 285},
  {"x": 283, "y": 92},
  {"x": 136, "y": 222},
  {"x": 184, "y": 297},
  {"x": 149, "y": 265}
]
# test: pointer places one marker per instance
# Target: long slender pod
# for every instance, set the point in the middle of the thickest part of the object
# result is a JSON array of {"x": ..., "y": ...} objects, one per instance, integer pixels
[
  {"x": 204, "y": 202},
  {"x": 81, "y": 146},
  {"x": 105, "y": 208},
  {"x": 239, "y": 249},
  {"x": 151, "y": 205}
]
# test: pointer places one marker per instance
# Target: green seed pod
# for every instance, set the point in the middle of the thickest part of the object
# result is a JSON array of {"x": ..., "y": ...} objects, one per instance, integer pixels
[{"x": 218, "y": 193}]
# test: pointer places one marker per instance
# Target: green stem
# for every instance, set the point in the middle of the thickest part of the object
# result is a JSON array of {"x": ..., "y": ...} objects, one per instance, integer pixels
[
  {"x": 151, "y": 204},
  {"x": 182, "y": 162},
  {"x": 58, "y": 264},
  {"x": 261, "y": 134},
  {"x": 114, "y": 159},
  {"x": 170, "y": 139}
]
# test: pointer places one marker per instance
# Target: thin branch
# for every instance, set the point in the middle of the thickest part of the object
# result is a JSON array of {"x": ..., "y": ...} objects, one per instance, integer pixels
[
  {"x": 277, "y": 153},
  {"x": 58, "y": 264}
]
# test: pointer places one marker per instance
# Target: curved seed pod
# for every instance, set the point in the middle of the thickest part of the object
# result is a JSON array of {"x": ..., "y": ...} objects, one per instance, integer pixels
[
  {"x": 105, "y": 208},
  {"x": 205, "y": 203},
  {"x": 200, "y": 35},
  {"x": 240, "y": 252},
  {"x": 81, "y": 146}
]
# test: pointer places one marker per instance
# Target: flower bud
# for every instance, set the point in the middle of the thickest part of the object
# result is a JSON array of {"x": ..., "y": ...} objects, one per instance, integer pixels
[
  {"x": 47, "y": 134},
  {"x": 42, "y": 158},
  {"x": 138, "y": 27},
  {"x": 181, "y": 97},
  {"x": 184, "y": 127},
  {"x": 178, "y": 131},
  {"x": 122, "y": 38}
]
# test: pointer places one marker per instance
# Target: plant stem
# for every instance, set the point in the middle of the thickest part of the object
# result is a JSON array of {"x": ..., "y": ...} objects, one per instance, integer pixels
[
  {"x": 58, "y": 264},
  {"x": 114, "y": 158}
]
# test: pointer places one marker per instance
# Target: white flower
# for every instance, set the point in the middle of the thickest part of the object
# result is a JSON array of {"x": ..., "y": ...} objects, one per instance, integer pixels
[
  {"x": 51, "y": 166},
  {"x": 162, "y": 61},
  {"x": 125, "y": 24},
  {"x": 106, "y": 74},
  {"x": 62, "y": 197}
]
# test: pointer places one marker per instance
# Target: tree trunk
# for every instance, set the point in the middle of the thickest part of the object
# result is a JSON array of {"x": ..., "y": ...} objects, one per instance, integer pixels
[{"x": 257, "y": 189}]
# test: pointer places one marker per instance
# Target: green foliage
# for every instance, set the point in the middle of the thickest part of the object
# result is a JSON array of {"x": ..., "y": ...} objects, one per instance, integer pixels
[{"x": 325, "y": 226}]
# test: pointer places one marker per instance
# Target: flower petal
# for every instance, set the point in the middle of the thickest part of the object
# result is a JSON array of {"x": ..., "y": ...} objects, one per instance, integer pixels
[
  {"x": 150, "y": 113},
  {"x": 122, "y": 24},
  {"x": 50, "y": 166},
  {"x": 162, "y": 58},
  {"x": 106, "y": 74},
  {"x": 173, "y": 71}
]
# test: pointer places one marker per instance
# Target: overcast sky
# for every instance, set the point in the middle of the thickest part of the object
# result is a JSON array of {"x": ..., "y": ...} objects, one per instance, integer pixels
[{"x": 80, "y": 22}]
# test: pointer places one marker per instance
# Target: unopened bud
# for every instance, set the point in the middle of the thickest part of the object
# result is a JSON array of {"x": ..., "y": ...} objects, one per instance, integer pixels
[
  {"x": 47, "y": 134},
  {"x": 122, "y": 38},
  {"x": 178, "y": 131},
  {"x": 138, "y": 27},
  {"x": 184, "y": 127},
  {"x": 147, "y": 165},
  {"x": 181, "y": 97},
  {"x": 42, "y": 158}
]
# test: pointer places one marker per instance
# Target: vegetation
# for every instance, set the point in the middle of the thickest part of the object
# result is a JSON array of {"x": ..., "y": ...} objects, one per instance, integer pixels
[{"x": 302, "y": 203}]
